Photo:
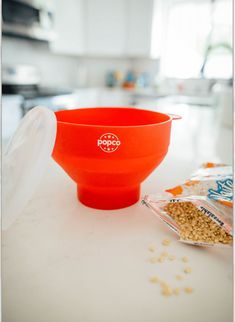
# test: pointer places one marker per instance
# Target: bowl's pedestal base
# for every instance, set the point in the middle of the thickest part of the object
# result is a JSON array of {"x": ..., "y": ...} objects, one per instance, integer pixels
[{"x": 108, "y": 198}]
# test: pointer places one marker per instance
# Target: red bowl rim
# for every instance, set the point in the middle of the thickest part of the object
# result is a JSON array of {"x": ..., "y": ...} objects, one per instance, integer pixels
[{"x": 170, "y": 117}]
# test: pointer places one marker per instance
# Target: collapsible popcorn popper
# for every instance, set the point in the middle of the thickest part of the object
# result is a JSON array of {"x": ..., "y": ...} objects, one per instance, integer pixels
[
  {"x": 200, "y": 209},
  {"x": 108, "y": 152}
]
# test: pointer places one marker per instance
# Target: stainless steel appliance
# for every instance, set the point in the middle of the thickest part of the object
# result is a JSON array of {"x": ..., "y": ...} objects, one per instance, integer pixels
[
  {"x": 22, "y": 91},
  {"x": 20, "y": 74},
  {"x": 28, "y": 18},
  {"x": 24, "y": 80}
]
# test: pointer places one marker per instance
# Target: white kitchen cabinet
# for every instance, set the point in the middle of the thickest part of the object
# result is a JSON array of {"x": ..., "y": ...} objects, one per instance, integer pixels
[
  {"x": 69, "y": 27},
  {"x": 106, "y": 26},
  {"x": 117, "y": 28},
  {"x": 140, "y": 18}
]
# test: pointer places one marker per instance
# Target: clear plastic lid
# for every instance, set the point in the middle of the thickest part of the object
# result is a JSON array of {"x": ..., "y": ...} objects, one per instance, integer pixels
[{"x": 25, "y": 160}]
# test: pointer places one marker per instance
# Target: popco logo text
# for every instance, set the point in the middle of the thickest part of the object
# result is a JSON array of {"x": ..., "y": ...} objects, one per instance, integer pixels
[{"x": 108, "y": 142}]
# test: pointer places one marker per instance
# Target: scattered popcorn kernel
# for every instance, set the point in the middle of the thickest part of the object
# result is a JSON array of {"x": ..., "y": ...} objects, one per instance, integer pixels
[
  {"x": 161, "y": 259},
  {"x": 166, "y": 242},
  {"x": 185, "y": 259},
  {"x": 179, "y": 277},
  {"x": 164, "y": 254},
  {"x": 176, "y": 291},
  {"x": 188, "y": 270},
  {"x": 163, "y": 284},
  {"x": 151, "y": 248},
  {"x": 171, "y": 257},
  {"x": 153, "y": 260},
  {"x": 167, "y": 291},
  {"x": 188, "y": 290},
  {"x": 154, "y": 279}
]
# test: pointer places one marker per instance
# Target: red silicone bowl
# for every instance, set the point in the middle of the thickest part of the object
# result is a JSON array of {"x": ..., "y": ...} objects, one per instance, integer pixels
[{"x": 108, "y": 152}]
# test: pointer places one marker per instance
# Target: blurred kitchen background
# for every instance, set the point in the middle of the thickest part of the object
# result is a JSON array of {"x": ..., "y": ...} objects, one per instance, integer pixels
[{"x": 173, "y": 56}]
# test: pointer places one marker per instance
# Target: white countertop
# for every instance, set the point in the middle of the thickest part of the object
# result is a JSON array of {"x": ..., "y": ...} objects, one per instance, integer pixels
[{"x": 64, "y": 262}]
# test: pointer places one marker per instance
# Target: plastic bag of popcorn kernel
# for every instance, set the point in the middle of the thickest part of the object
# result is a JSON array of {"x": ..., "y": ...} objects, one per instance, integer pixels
[
  {"x": 194, "y": 219},
  {"x": 214, "y": 182},
  {"x": 200, "y": 210}
]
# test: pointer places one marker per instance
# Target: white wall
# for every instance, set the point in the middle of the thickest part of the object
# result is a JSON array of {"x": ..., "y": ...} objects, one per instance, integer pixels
[
  {"x": 69, "y": 71},
  {"x": 96, "y": 68}
]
